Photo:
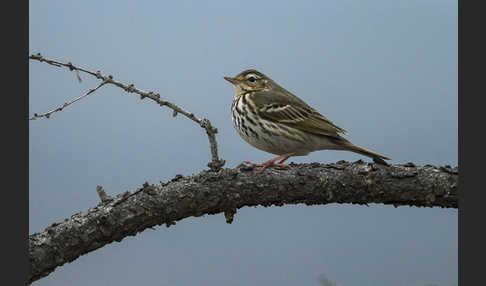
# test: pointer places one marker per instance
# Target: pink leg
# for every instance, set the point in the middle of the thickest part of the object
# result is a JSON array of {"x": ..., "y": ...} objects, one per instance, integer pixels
[{"x": 271, "y": 162}]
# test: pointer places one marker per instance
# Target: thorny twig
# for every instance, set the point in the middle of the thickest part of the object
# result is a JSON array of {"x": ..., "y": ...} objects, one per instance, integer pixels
[
  {"x": 204, "y": 123},
  {"x": 48, "y": 114}
]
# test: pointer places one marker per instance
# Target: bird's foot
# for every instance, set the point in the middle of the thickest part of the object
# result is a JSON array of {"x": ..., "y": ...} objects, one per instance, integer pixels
[
  {"x": 272, "y": 162},
  {"x": 266, "y": 164}
]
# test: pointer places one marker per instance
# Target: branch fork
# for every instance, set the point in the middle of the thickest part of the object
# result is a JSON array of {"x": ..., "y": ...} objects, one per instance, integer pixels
[{"x": 216, "y": 163}]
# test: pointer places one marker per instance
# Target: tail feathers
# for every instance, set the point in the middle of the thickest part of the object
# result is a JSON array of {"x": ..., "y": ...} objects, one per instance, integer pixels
[{"x": 376, "y": 157}]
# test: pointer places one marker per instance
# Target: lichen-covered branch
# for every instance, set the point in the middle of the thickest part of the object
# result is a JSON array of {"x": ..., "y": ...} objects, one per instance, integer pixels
[
  {"x": 215, "y": 164},
  {"x": 229, "y": 189}
]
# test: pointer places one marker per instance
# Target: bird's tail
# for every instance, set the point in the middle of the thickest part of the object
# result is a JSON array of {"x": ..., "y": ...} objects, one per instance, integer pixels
[{"x": 360, "y": 150}]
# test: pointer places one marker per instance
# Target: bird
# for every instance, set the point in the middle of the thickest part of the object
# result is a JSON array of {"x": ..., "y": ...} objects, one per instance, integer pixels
[{"x": 272, "y": 119}]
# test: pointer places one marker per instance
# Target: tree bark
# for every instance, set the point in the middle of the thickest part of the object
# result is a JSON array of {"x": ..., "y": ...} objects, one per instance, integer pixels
[{"x": 229, "y": 189}]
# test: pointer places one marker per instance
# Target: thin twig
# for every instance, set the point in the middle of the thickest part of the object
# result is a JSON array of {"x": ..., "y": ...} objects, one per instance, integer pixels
[
  {"x": 204, "y": 123},
  {"x": 48, "y": 114}
]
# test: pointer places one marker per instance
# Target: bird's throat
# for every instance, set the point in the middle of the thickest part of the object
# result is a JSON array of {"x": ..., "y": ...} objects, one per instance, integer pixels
[{"x": 239, "y": 92}]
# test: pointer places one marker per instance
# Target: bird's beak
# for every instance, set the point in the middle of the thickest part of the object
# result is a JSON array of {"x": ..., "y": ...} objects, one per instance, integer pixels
[{"x": 231, "y": 79}]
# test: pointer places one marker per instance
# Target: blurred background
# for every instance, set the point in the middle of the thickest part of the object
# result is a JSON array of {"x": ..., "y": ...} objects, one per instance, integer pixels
[{"x": 386, "y": 71}]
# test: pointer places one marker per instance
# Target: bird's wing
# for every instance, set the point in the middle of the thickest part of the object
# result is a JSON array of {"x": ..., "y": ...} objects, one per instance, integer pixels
[{"x": 293, "y": 112}]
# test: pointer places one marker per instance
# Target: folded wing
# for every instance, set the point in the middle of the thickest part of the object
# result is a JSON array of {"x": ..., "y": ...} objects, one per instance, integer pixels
[{"x": 293, "y": 112}]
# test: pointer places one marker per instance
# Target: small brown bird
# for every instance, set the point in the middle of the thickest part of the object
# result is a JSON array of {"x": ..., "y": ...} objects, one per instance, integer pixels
[{"x": 272, "y": 119}]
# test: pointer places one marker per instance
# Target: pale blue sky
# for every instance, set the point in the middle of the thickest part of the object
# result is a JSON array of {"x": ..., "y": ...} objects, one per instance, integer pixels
[{"x": 386, "y": 71}]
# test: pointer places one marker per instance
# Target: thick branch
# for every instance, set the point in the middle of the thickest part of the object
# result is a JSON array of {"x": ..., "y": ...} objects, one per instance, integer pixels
[
  {"x": 211, "y": 131},
  {"x": 229, "y": 189}
]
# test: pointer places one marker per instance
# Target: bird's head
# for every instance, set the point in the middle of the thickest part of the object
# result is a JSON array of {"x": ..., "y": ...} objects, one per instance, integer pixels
[{"x": 249, "y": 80}]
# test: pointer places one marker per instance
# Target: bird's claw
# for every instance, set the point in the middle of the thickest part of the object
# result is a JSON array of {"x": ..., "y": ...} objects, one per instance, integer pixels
[{"x": 267, "y": 164}]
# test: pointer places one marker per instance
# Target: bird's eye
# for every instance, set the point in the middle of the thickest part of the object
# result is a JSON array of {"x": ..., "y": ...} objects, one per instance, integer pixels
[{"x": 252, "y": 79}]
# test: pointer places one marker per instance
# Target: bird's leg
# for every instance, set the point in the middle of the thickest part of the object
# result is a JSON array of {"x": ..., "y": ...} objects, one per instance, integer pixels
[
  {"x": 271, "y": 162},
  {"x": 285, "y": 157}
]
